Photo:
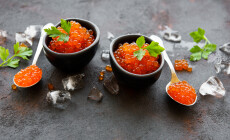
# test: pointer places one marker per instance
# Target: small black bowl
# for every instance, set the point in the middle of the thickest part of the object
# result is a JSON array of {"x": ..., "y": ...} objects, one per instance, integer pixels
[
  {"x": 76, "y": 60},
  {"x": 128, "y": 78}
]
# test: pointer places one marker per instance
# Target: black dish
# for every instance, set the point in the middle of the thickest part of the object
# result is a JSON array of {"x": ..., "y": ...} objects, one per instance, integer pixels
[
  {"x": 77, "y": 60},
  {"x": 128, "y": 78}
]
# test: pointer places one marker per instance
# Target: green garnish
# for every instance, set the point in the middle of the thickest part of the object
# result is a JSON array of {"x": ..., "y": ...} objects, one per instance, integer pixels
[
  {"x": 54, "y": 32},
  {"x": 197, "y": 52},
  {"x": 22, "y": 52},
  {"x": 154, "y": 48}
]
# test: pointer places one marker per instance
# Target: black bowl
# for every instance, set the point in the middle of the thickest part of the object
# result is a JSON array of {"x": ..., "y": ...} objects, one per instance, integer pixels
[
  {"x": 77, "y": 60},
  {"x": 128, "y": 78}
]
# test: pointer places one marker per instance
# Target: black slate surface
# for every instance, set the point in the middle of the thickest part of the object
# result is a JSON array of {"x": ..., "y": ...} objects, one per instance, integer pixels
[{"x": 145, "y": 114}]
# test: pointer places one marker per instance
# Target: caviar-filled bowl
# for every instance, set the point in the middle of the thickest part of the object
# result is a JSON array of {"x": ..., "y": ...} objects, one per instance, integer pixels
[
  {"x": 129, "y": 70},
  {"x": 74, "y": 49}
]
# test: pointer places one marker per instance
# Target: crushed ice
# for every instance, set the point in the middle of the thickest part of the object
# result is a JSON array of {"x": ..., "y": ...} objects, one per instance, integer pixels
[
  {"x": 73, "y": 82},
  {"x": 213, "y": 86},
  {"x": 170, "y": 35},
  {"x": 225, "y": 48},
  {"x": 3, "y": 35},
  {"x": 222, "y": 66},
  {"x": 110, "y": 36},
  {"x": 111, "y": 85},
  {"x": 59, "y": 99},
  {"x": 95, "y": 95},
  {"x": 27, "y": 36},
  {"x": 105, "y": 55}
]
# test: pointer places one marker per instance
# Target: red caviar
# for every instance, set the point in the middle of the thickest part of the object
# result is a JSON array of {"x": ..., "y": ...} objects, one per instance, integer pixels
[
  {"x": 182, "y": 65},
  {"x": 182, "y": 92},
  {"x": 79, "y": 39},
  {"x": 125, "y": 58},
  {"x": 28, "y": 76}
]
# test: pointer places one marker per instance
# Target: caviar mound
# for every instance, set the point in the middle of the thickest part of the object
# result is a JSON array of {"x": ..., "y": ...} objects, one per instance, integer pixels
[
  {"x": 182, "y": 92},
  {"x": 125, "y": 58},
  {"x": 28, "y": 76},
  {"x": 79, "y": 39},
  {"x": 182, "y": 64}
]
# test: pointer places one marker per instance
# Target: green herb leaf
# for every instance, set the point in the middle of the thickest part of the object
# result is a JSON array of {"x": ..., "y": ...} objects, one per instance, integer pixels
[
  {"x": 54, "y": 32},
  {"x": 154, "y": 49},
  {"x": 140, "y": 41},
  {"x": 210, "y": 47},
  {"x": 139, "y": 54},
  {"x": 197, "y": 52},
  {"x": 16, "y": 46},
  {"x": 195, "y": 49},
  {"x": 195, "y": 56},
  {"x": 205, "y": 54},
  {"x": 24, "y": 52},
  {"x": 19, "y": 51},
  {"x": 63, "y": 37},
  {"x": 66, "y": 25},
  {"x": 198, "y": 35},
  {"x": 14, "y": 63},
  {"x": 4, "y": 53}
]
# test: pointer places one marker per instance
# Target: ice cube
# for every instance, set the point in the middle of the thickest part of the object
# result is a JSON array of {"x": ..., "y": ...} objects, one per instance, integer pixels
[
  {"x": 171, "y": 35},
  {"x": 222, "y": 66},
  {"x": 213, "y": 86},
  {"x": 111, "y": 85},
  {"x": 3, "y": 35},
  {"x": 23, "y": 38},
  {"x": 110, "y": 36},
  {"x": 227, "y": 68},
  {"x": 27, "y": 36},
  {"x": 73, "y": 82},
  {"x": 225, "y": 48},
  {"x": 59, "y": 99},
  {"x": 105, "y": 55},
  {"x": 218, "y": 67},
  {"x": 32, "y": 30},
  {"x": 95, "y": 95}
]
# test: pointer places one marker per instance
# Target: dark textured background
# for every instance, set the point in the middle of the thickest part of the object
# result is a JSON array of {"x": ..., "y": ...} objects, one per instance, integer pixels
[{"x": 145, "y": 114}]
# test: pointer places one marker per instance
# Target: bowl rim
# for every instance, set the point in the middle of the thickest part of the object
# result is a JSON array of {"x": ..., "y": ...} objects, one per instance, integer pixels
[
  {"x": 85, "y": 49},
  {"x": 125, "y": 71}
]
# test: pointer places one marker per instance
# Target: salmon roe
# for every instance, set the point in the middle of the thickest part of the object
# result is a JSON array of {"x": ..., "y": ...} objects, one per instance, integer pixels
[
  {"x": 182, "y": 92},
  {"x": 125, "y": 58},
  {"x": 28, "y": 76},
  {"x": 79, "y": 39},
  {"x": 182, "y": 64}
]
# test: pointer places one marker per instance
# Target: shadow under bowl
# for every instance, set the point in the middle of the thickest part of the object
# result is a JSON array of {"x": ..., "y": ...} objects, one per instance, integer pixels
[
  {"x": 77, "y": 60},
  {"x": 128, "y": 78}
]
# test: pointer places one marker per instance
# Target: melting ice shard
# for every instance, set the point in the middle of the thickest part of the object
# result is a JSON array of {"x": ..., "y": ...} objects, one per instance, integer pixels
[
  {"x": 222, "y": 66},
  {"x": 213, "y": 86},
  {"x": 105, "y": 55},
  {"x": 95, "y": 95},
  {"x": 59, "y": 99},
  {"x": 23, "y": 38},
  {"x": 219, "y": 67},
  {"x": 111, "y": 85},
  {"x": 110, "y": 36},
  {"x": 171, "y": 35},
  {"x": 73, "y": 82},
  {"x": 225, "y": 48},
  {"x": 3, "y": 35},
  {"x": 227, "y": 68},
  {"x": 32, "y": 30},
  {"x": 27, "y": 36}
]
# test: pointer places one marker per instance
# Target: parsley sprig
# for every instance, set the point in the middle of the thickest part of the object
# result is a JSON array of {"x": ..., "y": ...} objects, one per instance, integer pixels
[
  {"x": 197, "y": 52},
  {"x": 154, "y": 48},
  {"x": 54, "y": 32},
  {"x": 22, "y": 52}
]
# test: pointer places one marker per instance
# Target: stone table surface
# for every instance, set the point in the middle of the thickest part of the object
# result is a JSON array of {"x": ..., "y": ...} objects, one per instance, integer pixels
[{"x": 144, "y": 114}]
